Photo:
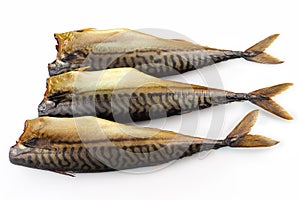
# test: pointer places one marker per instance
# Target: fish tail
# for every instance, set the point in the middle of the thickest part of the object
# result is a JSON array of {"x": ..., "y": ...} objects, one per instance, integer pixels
[
  {"x": 262, "y": 98},
  {"x": 239, "y": 136},
  {"x": 256, "y": 52}
]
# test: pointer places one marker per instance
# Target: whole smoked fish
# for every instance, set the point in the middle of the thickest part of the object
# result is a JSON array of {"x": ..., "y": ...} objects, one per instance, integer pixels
[
  {"x": 89, "y": 144},
  {"x": 104, "y": 49},
  {"x": 126, "y": 94}
]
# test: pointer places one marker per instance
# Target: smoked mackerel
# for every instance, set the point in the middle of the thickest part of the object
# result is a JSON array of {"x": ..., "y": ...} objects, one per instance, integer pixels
[
  {"x": 126, "y": 94},
  {"x": 104, "y": 49}
]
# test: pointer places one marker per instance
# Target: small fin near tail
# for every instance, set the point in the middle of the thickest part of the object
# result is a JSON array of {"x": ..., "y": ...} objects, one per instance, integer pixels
[
  {"x": 256, "y": 52},
  {"x": 239, "y": 137},
  {"x": 262, "y": 98},
  {"x": 67, "y": 173}
]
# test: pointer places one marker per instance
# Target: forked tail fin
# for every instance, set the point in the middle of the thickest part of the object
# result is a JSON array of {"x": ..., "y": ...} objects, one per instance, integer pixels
[
  {"x": 256, "y": 52},
  {"x": 262, "y": 98},
  {"x": 239, "y": 136}
]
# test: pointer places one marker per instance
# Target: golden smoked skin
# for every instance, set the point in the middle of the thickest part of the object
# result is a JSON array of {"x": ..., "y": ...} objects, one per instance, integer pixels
[
  {"x": 109, "y": 80},
  {"x": 93, "y": 50},
  {"x": 126, "y": 94},
  {"x": 72, "y": 41},
  {"x": 89, "y": 144}
]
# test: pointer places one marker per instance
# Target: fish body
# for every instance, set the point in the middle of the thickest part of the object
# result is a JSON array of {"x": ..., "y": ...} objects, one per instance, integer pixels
[
  {"x": 152, "y": 55},
  {"x": 89, "y": 144},
  {"x": 134, "y": 96}
]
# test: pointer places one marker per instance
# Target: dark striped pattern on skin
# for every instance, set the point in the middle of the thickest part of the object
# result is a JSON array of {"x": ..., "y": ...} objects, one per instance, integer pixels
[
  {"x": 154, "y": 62},
  {"x": 123, "y": 107},
  {"x": 102, "y": 157}
]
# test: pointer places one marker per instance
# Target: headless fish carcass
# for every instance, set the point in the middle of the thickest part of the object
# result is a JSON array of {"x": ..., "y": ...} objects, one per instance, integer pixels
[
  {"x": 104, "y": 49},
  {"x": 126, "y": 94},
  {"x": 89, "y": 144}
]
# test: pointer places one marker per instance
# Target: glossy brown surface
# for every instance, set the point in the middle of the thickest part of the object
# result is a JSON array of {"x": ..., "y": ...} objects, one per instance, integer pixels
[
  {"x": 125, "y": 94},
  {"x": 89, "y": 144},
  {"x": 104, "y": 49}
]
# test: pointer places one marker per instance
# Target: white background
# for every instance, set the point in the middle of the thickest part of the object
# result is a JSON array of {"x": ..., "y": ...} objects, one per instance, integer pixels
[{"x": 27, "y": 45}]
